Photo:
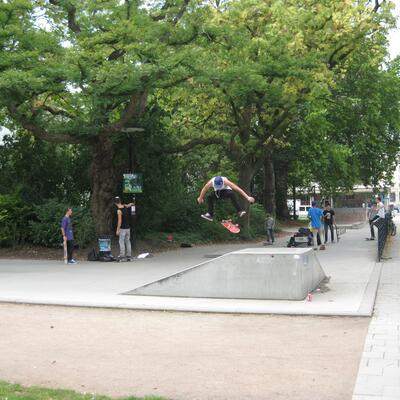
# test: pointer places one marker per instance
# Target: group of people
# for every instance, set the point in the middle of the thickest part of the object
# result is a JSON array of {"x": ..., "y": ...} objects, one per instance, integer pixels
[
  {"x": 123, "y": 231},
  {"x": 318, "y": 217},
  {"x": 222, "y": 189}
]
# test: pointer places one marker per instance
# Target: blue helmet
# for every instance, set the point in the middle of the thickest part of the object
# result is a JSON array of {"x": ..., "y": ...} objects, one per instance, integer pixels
[{"x": 218, "y": 182}]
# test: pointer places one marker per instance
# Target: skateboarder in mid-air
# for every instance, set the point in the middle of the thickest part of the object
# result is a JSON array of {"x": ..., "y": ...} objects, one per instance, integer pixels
[{"x": 222, "y": 189}]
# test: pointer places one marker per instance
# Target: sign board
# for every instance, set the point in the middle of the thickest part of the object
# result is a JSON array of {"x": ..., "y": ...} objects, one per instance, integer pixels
[{"x": 132, "y": 183}]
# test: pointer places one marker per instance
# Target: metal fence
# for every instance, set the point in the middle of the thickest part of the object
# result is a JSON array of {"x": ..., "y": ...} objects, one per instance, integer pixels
[{"x": 382, "y": 224}]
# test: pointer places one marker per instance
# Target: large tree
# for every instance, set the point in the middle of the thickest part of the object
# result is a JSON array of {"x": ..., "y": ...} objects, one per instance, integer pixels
[
  {"x": 72, "y": 72},
  {"x": 267, "y": 63}
]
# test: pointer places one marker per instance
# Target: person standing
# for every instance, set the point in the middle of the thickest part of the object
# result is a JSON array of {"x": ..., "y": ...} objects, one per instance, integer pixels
[
  {"x": 315, "y": 216},
  {"x": 124, "y": 216},
  {"x": 372, "y": 212},
  {"x": 269, "y": 226},
  {"x": 223, "y": 189},
  {"x": 68, "y": 235},
  {"x": 329, "y": 221},
  {"x": 380, "y": 213}
]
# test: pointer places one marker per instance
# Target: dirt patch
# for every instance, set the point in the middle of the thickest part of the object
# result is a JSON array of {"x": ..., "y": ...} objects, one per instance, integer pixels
[{"x": 182, "y": 356}]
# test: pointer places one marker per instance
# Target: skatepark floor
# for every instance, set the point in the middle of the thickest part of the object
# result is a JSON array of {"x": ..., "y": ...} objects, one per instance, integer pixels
[
  {"x": 350, "y": 264},
  {"x": 184, "y": 355}
]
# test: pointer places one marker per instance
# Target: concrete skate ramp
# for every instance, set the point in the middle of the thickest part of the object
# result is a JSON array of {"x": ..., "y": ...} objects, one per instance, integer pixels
[{"x": 259, "y": 273}]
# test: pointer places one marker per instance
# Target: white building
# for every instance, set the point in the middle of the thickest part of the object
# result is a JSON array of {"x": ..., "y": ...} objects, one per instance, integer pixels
[{"x": 395, "y": 189}]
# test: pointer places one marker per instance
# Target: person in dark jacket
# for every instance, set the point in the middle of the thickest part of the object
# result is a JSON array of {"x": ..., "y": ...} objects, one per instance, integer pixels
[{"x": 123, "y": 231}]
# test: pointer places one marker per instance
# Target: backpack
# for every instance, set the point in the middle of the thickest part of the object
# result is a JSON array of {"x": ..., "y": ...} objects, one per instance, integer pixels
[
  {"x": 93, "y": 255},
  {"x": 106, "y": 257}
]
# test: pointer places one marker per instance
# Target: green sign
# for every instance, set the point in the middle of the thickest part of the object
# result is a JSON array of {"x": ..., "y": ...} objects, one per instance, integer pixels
[{"x": 132, "y": 183}]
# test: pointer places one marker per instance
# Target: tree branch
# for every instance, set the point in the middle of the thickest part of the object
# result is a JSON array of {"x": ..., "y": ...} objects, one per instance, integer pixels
[
  {"x": 71, "y": 12},
  {"x": 41, "y": 133},
  {"x": 186, "y": 147},
  {"x": 54, "y": 111},
  {"x": 135, "y": 109},
  {"x": 181, "y": 12}
]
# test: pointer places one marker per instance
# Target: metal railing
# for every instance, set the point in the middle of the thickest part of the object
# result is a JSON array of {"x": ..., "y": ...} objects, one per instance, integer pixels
[{"x": 383, "y": 227}]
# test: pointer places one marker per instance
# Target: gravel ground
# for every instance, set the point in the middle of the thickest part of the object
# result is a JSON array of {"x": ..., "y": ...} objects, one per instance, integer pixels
[{"x": 182, "y": 356}]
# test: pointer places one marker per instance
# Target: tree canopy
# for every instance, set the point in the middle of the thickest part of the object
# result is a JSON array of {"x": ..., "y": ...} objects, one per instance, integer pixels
[{"x": 301, "y": 90}]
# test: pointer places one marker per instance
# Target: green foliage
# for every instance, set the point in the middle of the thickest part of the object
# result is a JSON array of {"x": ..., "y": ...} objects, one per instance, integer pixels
[
  {"x": 15, "y": 216},
  {"x": 46, "y": 227},
  {"x": 222, "y": 84},
  {"x": 17, "y": 392},
  {"x": 257, "y": 219},
  {"x": 40, "y": 170}
]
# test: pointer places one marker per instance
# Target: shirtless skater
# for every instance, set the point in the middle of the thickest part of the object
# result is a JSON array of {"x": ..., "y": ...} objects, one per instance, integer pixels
[{"x": 222, "y": 189}]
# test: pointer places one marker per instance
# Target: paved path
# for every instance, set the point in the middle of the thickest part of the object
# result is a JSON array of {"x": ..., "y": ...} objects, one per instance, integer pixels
[
  {"x": 350, "y": 264},
  {"x": 379, "y": 372}
]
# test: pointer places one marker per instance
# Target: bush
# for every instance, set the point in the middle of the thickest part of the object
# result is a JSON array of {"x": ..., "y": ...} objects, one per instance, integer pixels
[
  {"x": 14, "y": 220},
  {"x": 257, "y": 219},
  {"x": 46, "y": 228}
]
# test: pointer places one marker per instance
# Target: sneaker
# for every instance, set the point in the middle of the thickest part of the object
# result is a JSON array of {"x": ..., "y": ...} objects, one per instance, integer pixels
[
  {"x": 207, "y": 216},
  {"x": 72, "y": 262},
  {"x": 241, "y": 213}
]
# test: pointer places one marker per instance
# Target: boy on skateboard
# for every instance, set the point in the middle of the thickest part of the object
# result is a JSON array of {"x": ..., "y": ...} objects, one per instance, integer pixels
[{"x": 222, "y": 189}]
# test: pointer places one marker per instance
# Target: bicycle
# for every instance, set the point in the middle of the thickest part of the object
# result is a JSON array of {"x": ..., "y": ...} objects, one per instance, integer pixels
[{"x": 392, "y": 229}]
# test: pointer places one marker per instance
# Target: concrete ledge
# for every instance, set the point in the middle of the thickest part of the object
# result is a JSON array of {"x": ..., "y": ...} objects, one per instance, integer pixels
[{"x": 254, "y": 273}]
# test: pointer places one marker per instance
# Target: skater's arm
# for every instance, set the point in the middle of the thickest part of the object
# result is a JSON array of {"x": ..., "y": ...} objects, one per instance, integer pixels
[
  {"x": 119, "y": 223},
  {"x": 239, "y": 190},
  {"x": 203, "y": 192},
  {"x": 64, "y": 235}
]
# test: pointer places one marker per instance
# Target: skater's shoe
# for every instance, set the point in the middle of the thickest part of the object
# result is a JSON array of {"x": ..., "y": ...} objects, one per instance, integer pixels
[
  {"x": 121, "y": 259},
  {"x": 129, "y": 258},
  {"x": 241, "y": 213},
  {"x": 207, "y": 216},
  {"x": 72, "y": 262}
]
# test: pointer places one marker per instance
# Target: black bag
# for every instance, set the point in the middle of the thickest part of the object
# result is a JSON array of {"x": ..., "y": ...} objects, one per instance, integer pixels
[
  {"x": 104, "y": 257},
  {"x": 92, "y": 255}
]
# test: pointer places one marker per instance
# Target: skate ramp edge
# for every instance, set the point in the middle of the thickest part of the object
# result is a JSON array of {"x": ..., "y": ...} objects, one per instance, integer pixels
[{"x": 254, "y": 273}]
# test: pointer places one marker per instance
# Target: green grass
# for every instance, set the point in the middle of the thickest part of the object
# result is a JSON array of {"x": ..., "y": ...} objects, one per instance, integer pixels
[{"x": 10, "y": 391}]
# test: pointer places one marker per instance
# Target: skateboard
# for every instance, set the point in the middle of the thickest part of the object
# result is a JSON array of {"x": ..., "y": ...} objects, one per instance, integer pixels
[
  {"x": 65, "y": 252},
  {"x": 227, "y": 223}
]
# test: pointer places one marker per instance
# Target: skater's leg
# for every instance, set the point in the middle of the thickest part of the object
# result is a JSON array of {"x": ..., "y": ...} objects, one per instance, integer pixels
[
  {"x": 211, "y": 199},
  {"x": 229, "y": 194},
  {"x": 128, "y": 243},
  {"x": 319, "y": 236},
  {"x": 314, "y": 233},
  {"x": 326, "y": 231},
  {"x": 371, "y": 227},
  {"x": 271, "y": 233},
  {"x": 70, "y": 249},
  {"x": 121, "y": 241},
  {"x": 332, "y": 233}
]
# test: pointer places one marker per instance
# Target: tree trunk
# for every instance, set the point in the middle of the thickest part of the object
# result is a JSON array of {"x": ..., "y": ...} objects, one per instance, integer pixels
[
  {"x": 281, "y": 187},
  {"x": 246, "y": 173},
  {"x": 269, "y": 185},
  {"x": 102, "y": 185}
]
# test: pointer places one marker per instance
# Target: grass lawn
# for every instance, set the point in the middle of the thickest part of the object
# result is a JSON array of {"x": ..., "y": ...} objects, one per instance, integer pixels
[{"x": 10, "y": 391}]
